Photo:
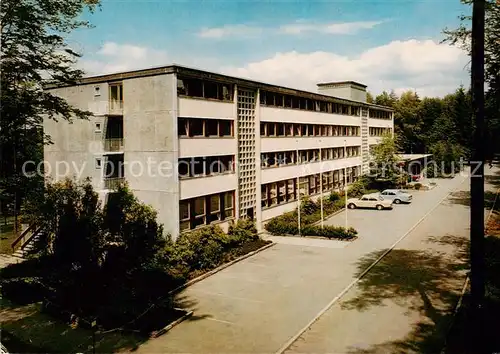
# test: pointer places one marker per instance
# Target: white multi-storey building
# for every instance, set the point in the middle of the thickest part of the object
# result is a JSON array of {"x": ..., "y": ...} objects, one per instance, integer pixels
[{"x": 206, "y": 148}]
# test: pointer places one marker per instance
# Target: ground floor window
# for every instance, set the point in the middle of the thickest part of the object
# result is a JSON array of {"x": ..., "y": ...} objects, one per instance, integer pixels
[
  {"x": 285, "y": 191},
  {"x": 205, "y": 210}
]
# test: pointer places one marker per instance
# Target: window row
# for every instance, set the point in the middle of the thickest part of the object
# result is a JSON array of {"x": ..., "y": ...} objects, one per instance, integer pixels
[
  {"x": 203, "y": 127},
  {"x": 193, "y": 87},
  {"x": 283, "y": 158},
  {"x": 380, "y": 131},
  {"x": 269, "y": 129},
  {"x": 205, "y": 210},
  {"x": 285, "y": 191},
  {"x": 205, "y": 166},
  {"x": 274, "y": 99},
  {"x": 375, "y": 113}
]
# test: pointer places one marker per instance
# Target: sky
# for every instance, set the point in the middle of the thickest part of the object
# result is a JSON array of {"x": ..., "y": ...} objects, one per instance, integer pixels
[{"x": 385, "y": 44}]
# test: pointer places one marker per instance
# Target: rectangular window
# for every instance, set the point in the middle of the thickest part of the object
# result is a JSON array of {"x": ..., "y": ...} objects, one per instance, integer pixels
[
  {"x": 211, "y": 90},
  {"x": 184, "y": 215},
  {"x": 263, "y": 129},
  {"x": 199, "y": 212},
  {"x": 182, "y": 126},
  {"x": 263, "y": 195},
  {"x": 196, "y": 127},
  {"x": 281, "y": 192},
  {"x": 183, "y": 167},
  {"x": 194, "y": 87},
  {"x": 98, "y": 128},
  {"x": 225, "y": 127},
  {"x": 181, "y": 88},
  {"x": 227, "y": 92},
  {"x": 288, "y": 101},
  {"x": 291, "y": 190},
  {"x": 281, "y": 129},
  {"x": 228, "y": 205},
  {"x": 215, "y": 214},
  {"x": 271, "y": 129},
  {"x": 273, "y": 193},
  {"x": 211, "y": 127},
  {"x": 98, "y": 164},
  {"x": 289, "y": 129},
  {"x": 295, "y": 102},
  {"x": 279, "y": 100}
]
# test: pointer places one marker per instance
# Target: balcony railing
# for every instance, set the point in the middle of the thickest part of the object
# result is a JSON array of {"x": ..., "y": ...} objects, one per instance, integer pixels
[
  {"x": 113, "y": 182},
  {"x": 113, "y": 144},
  {"x": 116, "y": 107}
]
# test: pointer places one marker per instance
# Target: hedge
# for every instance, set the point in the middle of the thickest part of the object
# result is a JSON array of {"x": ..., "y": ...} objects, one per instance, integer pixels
[{"x": 287, "y": 224}]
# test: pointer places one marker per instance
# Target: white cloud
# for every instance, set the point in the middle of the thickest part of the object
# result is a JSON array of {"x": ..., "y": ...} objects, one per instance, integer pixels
[
  {"x": 230, "y": 31},
  {"x": 426, "y": 66},
  {"x": 332, "y": 28},
  {"x": 241, "y": 31},
  {"x": 114, "y": 57}
]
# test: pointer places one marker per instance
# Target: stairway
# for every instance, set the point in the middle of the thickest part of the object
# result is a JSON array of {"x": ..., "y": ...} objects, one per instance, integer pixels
[{"x": 24, "y": 250}]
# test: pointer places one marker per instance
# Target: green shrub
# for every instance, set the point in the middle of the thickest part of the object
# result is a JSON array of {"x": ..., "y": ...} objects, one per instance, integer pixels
[
  {"x": 356, "y": 189},
  {"x": 243, "y": 231},
  {"x": 336, "y": 232},
  {"x": 307, "y": 206},
  {"x": 334, "y": 196},
  {"x": 418, "y": 186},
  {"x": 204, "y": 248},
  {"x": 278, "y": 226}
]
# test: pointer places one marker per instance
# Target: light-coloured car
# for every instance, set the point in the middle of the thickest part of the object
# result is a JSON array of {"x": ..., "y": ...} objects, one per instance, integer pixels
[
  {"x": 374, "y": 201},
  {"x": 396, "y": 195}
]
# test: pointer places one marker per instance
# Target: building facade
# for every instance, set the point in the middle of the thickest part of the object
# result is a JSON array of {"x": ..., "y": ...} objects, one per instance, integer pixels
[{"x": 205, "y": 148}]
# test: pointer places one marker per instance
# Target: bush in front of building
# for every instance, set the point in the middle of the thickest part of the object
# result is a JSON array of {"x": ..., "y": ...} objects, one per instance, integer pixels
[
  {"x": 328, "y": 231},
  {"x": 287, "y": 224}
]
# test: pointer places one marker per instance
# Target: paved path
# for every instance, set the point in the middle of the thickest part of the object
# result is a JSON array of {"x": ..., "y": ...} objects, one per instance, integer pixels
[{"x": 263, "y": 302}]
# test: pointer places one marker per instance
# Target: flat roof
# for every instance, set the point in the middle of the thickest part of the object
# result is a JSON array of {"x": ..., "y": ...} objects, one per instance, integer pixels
[
  {"x": 336, "y": 83},
  {"x": 188, "y": 71}
]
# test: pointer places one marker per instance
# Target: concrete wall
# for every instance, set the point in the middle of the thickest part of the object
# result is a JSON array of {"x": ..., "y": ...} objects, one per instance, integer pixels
[
  {"x": 200, "y": 186},
  {"x": 313, "y": 142},
  {"x": 287, "y": 172},
  {"x": 271, "y": 114},
  {"x": 150, "y": 134},
  {"x": 192, "y": 107},
  {"x": 195, "y": 147},
  {"x": 380, "y": 123},
  {"x": 77, "y": 145}
]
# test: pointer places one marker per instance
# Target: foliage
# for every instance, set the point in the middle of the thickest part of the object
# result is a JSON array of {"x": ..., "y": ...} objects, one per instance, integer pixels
[
  {"x": 307, "y": 206},
  {"x": 417, "y": 186},
  {"x": 335, "y": 232},
  {"x": 461, "y": 36},
  {"x": 33, "y": 50},
  {"x": 287, "y": 223},
  {"x": 334, "y": 196},
  {"x": 384, "y": 164}
]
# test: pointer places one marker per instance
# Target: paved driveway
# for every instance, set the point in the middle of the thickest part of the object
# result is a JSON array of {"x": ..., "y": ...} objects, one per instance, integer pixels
[{"x": 261, "y": 303}]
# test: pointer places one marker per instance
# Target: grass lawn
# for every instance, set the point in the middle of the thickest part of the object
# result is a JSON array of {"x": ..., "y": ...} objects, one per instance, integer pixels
[{"x": 7, "y": 235}]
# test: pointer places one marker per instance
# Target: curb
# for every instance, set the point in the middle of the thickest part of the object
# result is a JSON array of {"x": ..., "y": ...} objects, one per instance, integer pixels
[
  {"x": 173, "y": 324},
  {"x": 219, "y": 268}
]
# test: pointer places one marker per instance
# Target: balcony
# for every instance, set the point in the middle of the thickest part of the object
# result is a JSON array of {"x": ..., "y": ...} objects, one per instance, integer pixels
[
  {"x": 116, "y": 107},
  {"x": 113, "y": 182},
  {"x": 113, "y": 145}
]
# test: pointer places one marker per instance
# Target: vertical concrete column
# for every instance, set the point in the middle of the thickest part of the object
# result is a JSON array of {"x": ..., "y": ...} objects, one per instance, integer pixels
[
  {"x": 175, "y": 157},
  {"x": 237, "y": 157},
  {"x": 258, "y": 205}
]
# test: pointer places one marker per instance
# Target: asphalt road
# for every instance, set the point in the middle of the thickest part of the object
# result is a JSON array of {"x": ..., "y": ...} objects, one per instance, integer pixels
[{"x": 264, "y": 303}]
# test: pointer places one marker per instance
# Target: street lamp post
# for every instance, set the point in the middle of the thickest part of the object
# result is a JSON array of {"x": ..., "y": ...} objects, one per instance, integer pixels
[
  {"x": 321, "y": 184},
  {"x": 345, "y": 183},
  {"x": 298, "y": 187}
]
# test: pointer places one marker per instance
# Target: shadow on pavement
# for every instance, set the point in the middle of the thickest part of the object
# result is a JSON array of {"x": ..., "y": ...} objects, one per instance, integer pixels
[
  {"x": 421, "y": 281},
  {"x": 463, "y": 198}
]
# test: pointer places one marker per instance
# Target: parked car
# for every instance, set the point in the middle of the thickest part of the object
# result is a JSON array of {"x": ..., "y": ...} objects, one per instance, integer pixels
[
  {"x": 374, "y": 201},
  {"x": 397, "y": 196}
]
